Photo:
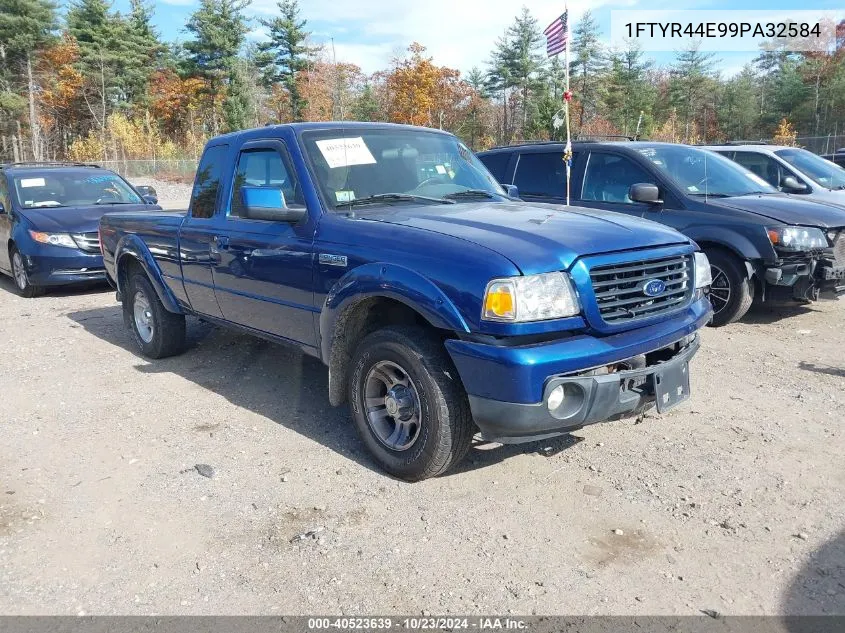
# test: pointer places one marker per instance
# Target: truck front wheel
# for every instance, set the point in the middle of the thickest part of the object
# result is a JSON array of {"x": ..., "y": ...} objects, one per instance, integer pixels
[
  {"x": 409, "y": 405},
  {"x": 157, "y": 332}
]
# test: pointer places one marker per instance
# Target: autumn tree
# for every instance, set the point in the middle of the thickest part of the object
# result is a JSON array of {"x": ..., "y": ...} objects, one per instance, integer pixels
[
  {"x": 421, "y": 93},
  {"x": 26, "y": 28},
  {"x": 287, "y": 54}
]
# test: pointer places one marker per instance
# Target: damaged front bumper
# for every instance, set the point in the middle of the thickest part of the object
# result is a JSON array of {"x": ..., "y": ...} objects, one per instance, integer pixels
[{"x": 806, "y": 278}]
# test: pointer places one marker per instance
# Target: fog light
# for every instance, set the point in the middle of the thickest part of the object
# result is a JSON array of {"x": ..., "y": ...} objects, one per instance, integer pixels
[{"x": 555, "y": 398}]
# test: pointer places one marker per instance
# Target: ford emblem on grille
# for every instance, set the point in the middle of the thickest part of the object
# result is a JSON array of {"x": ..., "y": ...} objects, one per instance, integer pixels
[{"x": 654, "y": 287}]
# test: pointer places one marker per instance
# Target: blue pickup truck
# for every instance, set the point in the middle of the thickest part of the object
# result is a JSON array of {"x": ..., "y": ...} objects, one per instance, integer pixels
[{"x": 441, "y": 304}]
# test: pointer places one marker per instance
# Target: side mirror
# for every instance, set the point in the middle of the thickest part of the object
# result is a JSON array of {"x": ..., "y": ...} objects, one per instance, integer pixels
[
  {"x": 146, "y": 190},
  {"x": 268, "y": 203},
  {"x": 150, "y": 199},
  {"x": 645, "y": 192},
  {"x": 511, "y": 190},
  {"x": 790, "y": 184}
]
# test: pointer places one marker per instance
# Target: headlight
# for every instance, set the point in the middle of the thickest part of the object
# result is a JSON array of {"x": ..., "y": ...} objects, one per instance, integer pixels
[
  {"x": 54, "y": 239},
  {"x": 530, "y": 298},
  {"x": 703, "y": 277},
  {"x": 797, "y": 238}
]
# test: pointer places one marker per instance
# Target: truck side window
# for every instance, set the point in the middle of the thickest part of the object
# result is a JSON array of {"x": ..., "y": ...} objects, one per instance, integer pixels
[
  {"x": 207, "y": 182},
  {"x": 541, "y": 174},
  {"x": 764, "y": 166},
  {"x": 264, "y": 167},
  {"x": 609, "y": 177}
]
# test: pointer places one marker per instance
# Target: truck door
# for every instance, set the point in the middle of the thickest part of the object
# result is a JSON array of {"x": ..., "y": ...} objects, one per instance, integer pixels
[
  {"x": 263, "y": 269},
  {"x": 541, "y": 177},
  {"x": 198, "y": 232}
]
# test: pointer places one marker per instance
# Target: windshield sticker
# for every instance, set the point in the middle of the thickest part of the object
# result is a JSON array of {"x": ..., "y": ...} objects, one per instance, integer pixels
[
  {"x": 344, "y": 152},
  {"x": 33, "y": 182},
  {"x": 692, "y": 188},
  {"x": 440, "y": 169},
  {"x": 344, "y": 196}
]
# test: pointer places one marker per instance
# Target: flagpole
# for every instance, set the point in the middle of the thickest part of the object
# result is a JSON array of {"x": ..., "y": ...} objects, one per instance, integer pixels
[{"x": 567, "y": 97}]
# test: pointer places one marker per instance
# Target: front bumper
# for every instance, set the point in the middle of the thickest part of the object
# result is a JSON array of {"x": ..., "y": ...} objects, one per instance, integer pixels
[
  {"x": 74, "y": 267},
  {"x": 589, "y": 399},
  {"x": 507, "y": 385},
  {"x": 805, "y": 280}
]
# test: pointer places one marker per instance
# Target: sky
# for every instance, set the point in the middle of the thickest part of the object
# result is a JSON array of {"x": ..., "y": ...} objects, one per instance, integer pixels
[{"x": 457, "y": 33}]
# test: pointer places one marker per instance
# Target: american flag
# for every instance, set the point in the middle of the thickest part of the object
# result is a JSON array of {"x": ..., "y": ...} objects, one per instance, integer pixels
[{"x": 557, "y": 34}]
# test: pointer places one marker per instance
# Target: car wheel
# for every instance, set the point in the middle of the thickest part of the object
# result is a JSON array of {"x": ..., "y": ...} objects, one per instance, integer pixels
[
  {"x": 22, "y": 284},
  {"x": 409, "y": 405},
  {"x": 731, "y": 292},
  {"x": 157, "y": 332}
]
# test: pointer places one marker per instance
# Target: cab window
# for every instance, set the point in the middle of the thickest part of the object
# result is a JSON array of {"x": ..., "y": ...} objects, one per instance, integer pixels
[
  {"x": 264, "y": 167},
  {"x": 609, "y": 177},
  {"x": 207, "y": 182}
]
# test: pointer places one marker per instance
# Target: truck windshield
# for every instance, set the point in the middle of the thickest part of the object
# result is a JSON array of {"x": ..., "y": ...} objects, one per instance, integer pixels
[
  {"x": 700, "y": 172},
  {"x": 823, "y": 172},
  {"x": 395, "y": 166},
  {"x": 71, "y": 188}
]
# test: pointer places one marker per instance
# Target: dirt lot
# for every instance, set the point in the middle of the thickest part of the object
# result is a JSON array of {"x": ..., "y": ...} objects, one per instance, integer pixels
[{"x": 734, "y": 502}]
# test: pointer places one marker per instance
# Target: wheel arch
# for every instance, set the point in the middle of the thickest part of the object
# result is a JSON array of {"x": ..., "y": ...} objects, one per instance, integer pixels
[{"x": 132, "y": 252}]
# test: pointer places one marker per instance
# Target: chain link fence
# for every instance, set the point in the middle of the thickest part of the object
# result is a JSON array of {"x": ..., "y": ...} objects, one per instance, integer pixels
[
  {"x": 173, "y": 170},
  {"x": 822, "y": 144}
]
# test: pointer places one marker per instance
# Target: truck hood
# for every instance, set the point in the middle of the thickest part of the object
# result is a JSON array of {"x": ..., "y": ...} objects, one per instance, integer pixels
[
  {"x": 786, "y": 209},
  {"x": 76, "y": 219},
  {"x": 535, "y": 237}
]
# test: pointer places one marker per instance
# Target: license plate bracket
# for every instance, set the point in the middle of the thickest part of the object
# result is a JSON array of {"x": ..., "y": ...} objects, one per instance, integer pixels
[{"x": 671, "y": 385}]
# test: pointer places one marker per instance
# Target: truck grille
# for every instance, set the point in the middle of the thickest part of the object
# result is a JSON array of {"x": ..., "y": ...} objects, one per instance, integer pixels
[
  {"x": 619, "y": 288},
  {"x": 88, "y": 242}
]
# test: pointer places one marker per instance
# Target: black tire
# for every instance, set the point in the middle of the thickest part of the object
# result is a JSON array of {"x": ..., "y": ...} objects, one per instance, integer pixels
[
  {"x": 20, "y": 277},
  {"x": 732, "y": 292},
  {"x": 444, "y": 427},
  {"x": 165, "y": 335}
]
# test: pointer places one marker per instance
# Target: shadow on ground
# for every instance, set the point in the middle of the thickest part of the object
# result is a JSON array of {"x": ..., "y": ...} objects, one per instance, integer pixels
[
  {"x": 88, "y": 288},
  {"x": 819, "y": 587},
  {"x": 768, "y": 313},
  {"x": 822, "y": 369},
  {"x": 278, "y": 383}
]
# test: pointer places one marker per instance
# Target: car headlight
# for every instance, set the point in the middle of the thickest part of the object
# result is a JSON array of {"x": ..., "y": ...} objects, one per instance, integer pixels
[
  {"x": 54, "y": 239},
  {"x": 703, "y": 278},
  {"x": 530, "y": 298},
  {"x": 797, "y": 238}
]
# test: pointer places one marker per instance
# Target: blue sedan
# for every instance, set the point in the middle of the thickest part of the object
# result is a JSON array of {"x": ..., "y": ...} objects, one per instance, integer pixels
[{"x": 49, "y": 216}]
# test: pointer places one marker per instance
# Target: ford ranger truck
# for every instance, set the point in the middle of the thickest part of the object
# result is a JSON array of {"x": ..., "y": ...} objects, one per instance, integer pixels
[{"x": 442, "y": 305}]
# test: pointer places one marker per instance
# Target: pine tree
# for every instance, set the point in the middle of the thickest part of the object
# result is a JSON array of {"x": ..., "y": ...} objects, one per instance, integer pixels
[
  {"x": 287, "y": 53},
  {"x": 739, "y": 110},
  {"x": 587, "y": 66},
  {"x": 691, "y": 89},
  {"x": 629, "y": 92},
  {"x": 525, "y": 61},
  {"x": 26, "y": 26},
  {"x": 366, "y": 106},
  {"x": 219, "y": 29}
]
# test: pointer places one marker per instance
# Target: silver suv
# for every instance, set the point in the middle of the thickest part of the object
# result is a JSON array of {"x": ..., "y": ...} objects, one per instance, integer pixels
[{"x": 790, "y": 169}]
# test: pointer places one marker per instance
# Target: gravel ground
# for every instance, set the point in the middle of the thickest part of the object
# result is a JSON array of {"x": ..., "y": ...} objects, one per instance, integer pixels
[
  {"x": 734, "y": 502},
  {"x": 171, "y": 195}
]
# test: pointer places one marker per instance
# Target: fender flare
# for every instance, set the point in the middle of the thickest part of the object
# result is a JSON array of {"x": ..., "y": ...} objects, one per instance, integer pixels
[
  {"x": 390, "y": 281},
  {"x": 731, "y": 241},
  {"x": 132, "y": 247}
]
